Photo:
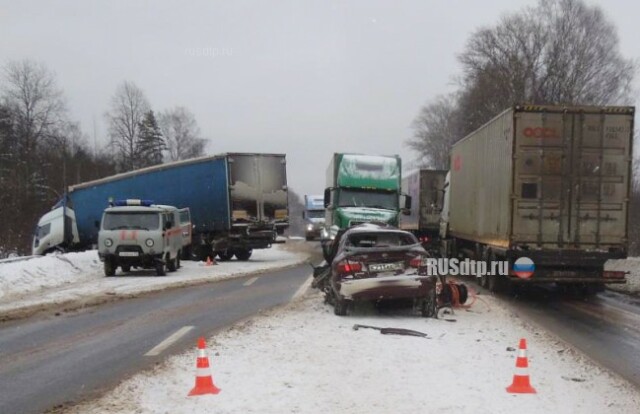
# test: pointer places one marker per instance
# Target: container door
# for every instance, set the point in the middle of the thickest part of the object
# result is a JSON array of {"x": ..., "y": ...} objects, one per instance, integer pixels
[
  {"x": 258, "y": 188},
  {"x": 600, "y": 174},
  {"x": 542, "y": 179},
  {"x": 571, "y": 179}
]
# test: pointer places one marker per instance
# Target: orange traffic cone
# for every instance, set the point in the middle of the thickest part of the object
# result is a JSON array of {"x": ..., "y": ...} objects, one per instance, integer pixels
[
  {"x": 521, "y": 384},
  {"x": 204, "y": 381}
]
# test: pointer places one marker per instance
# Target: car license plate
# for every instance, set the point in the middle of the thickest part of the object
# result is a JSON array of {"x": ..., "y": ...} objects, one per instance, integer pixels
[
  {"x": 385, "y": 267},
  {"x": 128, "y": 254}
]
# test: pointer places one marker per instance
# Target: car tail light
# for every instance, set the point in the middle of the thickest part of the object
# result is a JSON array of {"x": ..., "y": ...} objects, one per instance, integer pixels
[
  {"x": 612, "y": 274},
  {"x": 424, "y": 239},
  {"x": 346, "y": 267},
  {"x": 416, "y": 262}
]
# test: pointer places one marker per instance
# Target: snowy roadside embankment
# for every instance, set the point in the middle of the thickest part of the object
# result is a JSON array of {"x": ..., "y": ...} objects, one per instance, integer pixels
[
  {"x": 631, "y": 265},
  {"x": 76, "y": 279},
  {"x": 301, "y": 358}
]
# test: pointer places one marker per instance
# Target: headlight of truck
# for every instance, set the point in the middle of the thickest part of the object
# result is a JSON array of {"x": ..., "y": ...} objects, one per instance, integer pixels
[
  {"x": 108, "y": 242},
  {"x": 149, "y": 242}
]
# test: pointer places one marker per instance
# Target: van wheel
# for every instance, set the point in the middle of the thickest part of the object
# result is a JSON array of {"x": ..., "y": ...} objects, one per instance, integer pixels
[
  {"x": 109, "y": 268},
  {"x": 243, "y": 254},
  {"x": 171, "y": 263},
  {"x": 161, "y": 268}
]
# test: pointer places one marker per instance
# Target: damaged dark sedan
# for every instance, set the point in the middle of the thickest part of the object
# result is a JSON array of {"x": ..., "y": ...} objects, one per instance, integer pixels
[{"x": 371, "y": 262}]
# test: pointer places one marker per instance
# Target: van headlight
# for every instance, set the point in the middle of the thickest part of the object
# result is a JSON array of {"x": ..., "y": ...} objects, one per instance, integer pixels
[
  {"x": 108, "y": 242},
  {"x": 149, "y": 242}
]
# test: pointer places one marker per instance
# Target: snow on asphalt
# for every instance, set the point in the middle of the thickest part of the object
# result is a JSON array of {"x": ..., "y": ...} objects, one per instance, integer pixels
[
  {"x": 302, "y": 359},
  {"x": 76, "y": 277}
]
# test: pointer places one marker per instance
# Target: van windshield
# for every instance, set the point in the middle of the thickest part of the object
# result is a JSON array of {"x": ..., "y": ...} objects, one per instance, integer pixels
[{"x": 131, "y": 220}]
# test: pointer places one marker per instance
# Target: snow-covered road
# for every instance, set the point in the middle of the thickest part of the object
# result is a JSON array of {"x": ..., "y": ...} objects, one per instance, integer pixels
[
  {"x": 73, "y": 280},
  {"x": 301, "y": 358}
]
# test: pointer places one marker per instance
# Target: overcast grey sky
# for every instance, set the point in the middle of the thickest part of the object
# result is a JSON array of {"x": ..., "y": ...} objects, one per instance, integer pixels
[{"x": 305, "y": 78}]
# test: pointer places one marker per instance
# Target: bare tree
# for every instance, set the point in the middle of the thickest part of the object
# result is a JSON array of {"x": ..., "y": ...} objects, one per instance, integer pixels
[
  {"x": 435, "y": 130},
  {"x": 181, "y": 133},
  {"x": 558, "y": 52},
  {"x": 35, "y": 102},
  {"x": 128, "y": 108}
]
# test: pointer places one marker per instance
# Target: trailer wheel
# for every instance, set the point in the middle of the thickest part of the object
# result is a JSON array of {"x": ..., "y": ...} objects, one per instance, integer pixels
[
  {"x": 109, "y": 268},
  {"x": 243, "y": 254},
  {"x": 225, "y": 255}
]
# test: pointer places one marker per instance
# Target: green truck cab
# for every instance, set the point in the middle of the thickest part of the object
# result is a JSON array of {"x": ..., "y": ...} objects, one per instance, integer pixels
[{"x": 361, "y": 189}]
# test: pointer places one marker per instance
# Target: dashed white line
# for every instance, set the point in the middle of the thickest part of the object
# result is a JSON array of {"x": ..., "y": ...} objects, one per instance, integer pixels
[
  {"x": 302, "y": 289},
  {"x": 250, "y": 281},
  {"x": 169, "y": 341}
]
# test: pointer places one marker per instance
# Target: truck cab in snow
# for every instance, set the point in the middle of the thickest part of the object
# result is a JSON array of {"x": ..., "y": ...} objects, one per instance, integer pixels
[
  {"x": 56, "y": 230},
  {"x": 141, "y": 234}
]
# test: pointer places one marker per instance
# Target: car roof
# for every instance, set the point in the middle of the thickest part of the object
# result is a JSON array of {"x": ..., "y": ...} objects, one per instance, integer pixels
[{"x": 373, "y": 226}]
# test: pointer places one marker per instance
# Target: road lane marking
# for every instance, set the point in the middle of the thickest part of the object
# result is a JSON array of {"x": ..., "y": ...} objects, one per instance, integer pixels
[
  {"x": 302, "y": 289},
  {"x": 250, "y": 281},
  {"x": 169, "y": 341}
]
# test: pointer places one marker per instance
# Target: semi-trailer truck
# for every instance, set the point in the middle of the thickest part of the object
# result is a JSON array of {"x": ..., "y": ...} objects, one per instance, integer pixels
[
  {"x": 313, "y": 216},
  {"x": 238, "y": 202},
  {"x": 546, "y": 186},
  {"x": 360, "y": 189},
  {"x": 426, "y": 189}
]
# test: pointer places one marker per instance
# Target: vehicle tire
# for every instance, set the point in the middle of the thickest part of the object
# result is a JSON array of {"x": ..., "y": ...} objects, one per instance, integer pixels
[
  {"x": 497, "y": 283},
  {"x": 326, "y": 251},
  {"x": 171, "y": 263},
  {"x": 225, "y": 255},
  {"x": 340, "y": 307},
  {"x": 483, "y": 280},
  {"x": 178, "y": 260},
  {"x": 243, "y": 254},
  {"x": 126, "y": 268},
  {"x": 109, "y": 268},
  {"x": 161, "y": 268},
  {"x": 429, "y": 307}
]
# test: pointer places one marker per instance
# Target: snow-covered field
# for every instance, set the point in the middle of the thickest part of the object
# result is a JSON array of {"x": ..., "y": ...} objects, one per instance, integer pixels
[
  {"x": 302, "y": 359},
  {"x": 76, "y": 279}
]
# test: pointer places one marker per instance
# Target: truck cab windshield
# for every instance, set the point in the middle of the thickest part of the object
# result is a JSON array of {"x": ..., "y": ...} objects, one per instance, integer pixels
[
  {"x": 315, "y": 214},
  {"x": 131, "y": 220},
  {"x": 363, "y": 198}
]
